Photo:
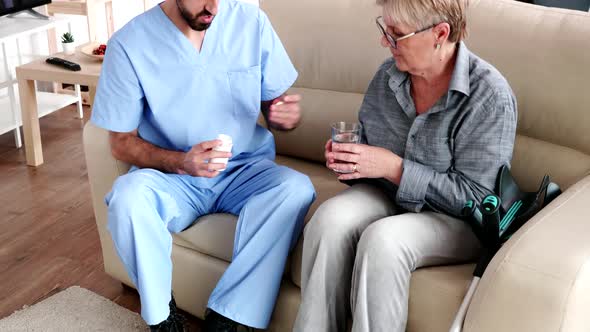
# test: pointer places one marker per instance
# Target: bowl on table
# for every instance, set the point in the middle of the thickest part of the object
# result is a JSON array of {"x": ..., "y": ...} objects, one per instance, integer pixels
[{"x": 94, "y": 50}]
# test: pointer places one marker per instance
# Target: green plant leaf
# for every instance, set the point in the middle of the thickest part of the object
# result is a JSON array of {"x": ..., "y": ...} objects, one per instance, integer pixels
[{"x": 67, "y": 38}]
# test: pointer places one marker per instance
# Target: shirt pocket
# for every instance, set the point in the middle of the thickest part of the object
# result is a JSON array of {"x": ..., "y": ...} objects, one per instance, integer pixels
[
  {"x": 245, "y": 91},
  {"x": 436, "y": 152}
]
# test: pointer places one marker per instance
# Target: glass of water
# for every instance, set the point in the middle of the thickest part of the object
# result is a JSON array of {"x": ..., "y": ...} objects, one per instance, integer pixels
[{"x": 346, "y": 132}]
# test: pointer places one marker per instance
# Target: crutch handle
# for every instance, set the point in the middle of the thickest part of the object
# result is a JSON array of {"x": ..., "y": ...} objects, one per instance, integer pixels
[
  {"x": 491, "y": 220},
  {"x": 471, "y": 211}
]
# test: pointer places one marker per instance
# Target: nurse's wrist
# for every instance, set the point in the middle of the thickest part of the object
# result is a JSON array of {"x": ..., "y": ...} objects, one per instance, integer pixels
[{"x": 175, "y": 164}]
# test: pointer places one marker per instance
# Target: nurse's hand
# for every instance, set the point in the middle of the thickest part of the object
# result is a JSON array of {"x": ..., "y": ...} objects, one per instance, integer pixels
[
  {"x": 196, "y": 160},
  {"x": 285, "y": 113}
]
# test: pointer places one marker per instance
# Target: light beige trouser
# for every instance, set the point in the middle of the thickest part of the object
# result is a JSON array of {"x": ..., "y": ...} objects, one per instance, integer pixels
[{"x": 358, "y": 256}]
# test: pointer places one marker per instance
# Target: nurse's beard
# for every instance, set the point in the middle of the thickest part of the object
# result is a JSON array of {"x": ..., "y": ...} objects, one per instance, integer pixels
[{"x": 193, "y": 21}]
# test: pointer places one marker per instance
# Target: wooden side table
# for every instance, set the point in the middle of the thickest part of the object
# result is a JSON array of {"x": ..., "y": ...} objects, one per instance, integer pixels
[
  {"x": 12, "y": 30},
  {"x": 40, "y": 71}
]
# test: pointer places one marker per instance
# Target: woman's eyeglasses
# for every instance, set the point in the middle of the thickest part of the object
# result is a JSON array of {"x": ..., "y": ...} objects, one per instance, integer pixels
[{"x": 392, "y": 40}]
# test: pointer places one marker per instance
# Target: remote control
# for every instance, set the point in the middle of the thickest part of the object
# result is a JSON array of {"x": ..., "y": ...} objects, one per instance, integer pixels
[{"x": 64, "y": 63}]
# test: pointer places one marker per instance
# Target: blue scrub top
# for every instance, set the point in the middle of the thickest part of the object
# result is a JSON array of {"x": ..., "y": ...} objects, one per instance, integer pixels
[{"x": 154, "y": 80}]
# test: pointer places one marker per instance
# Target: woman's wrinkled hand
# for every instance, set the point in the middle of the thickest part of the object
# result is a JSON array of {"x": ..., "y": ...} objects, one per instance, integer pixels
[{"x": 357, "y": 161}]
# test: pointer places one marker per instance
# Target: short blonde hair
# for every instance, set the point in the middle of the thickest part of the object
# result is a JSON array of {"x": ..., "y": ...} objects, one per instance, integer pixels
[{"x": 421, "y": 14}]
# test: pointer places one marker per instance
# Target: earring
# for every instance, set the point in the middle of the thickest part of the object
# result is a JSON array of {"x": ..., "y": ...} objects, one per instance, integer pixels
[{"x": 438, "y": 46}]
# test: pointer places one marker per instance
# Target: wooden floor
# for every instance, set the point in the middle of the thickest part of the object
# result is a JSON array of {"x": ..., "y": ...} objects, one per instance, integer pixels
[{"x": 48, "y": 237}]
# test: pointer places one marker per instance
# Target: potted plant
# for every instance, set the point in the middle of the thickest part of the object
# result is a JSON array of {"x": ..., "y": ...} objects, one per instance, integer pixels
[{"x": 67, "y": 41}]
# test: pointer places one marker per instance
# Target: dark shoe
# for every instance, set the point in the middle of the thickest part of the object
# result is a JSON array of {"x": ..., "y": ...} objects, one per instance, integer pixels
[
  {"x": 166, "y": 326},
  {"x": 244, "y": 328},
  {"x": 174, "y": 322},
  {"x": 177, "y": 316},
  {"x": 215, "y": 322}
]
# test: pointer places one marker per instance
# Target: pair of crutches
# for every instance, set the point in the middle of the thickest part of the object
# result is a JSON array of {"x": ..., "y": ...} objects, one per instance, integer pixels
[{"x": 496, "y": 219}]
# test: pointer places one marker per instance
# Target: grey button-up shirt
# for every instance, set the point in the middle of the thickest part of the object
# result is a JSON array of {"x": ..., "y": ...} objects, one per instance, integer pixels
[{"x": 453, "y": 152}]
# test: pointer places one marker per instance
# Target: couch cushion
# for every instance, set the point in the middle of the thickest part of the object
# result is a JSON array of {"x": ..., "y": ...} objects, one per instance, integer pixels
[
  {"x": 214, "y": 234},
  {"x": 436, "y": 295},
  {"x": 534, "y": 158}
]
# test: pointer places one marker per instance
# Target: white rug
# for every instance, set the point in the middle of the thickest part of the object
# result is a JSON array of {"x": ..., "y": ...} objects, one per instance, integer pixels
[{"x": 74, "y": 309}]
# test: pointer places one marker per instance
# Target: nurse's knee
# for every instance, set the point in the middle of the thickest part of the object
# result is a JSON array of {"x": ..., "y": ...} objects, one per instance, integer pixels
[
  {"x": 129, "y": 193},
  {"x": 298, "y": 186}
]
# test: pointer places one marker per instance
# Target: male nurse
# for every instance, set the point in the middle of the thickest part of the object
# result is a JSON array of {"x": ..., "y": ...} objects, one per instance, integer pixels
[{"x": 173, "y": 80}]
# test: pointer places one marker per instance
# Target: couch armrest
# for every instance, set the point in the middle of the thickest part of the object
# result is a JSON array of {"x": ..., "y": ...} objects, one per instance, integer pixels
[
  {"x": 103, "y": 169},
  {"x": 540, "y": 279}
]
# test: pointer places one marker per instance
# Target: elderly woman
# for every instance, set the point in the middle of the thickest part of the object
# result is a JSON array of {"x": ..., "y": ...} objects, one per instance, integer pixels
[{"x": 438, "y": 122}]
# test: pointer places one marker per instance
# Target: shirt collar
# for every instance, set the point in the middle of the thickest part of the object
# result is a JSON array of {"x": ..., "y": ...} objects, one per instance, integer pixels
[
  {"x": 460, "y": 78},
  {"x": 396, "y": 77}
]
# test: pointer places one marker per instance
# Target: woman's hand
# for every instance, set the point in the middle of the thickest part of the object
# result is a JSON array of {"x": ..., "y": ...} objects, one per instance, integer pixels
[
  {"x": 327, "y": 152},
  {"x": 363, "y": 161}
]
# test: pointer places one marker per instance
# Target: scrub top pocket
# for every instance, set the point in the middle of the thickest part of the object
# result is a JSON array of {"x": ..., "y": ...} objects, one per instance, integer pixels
[{"x": 245, "y": 91}]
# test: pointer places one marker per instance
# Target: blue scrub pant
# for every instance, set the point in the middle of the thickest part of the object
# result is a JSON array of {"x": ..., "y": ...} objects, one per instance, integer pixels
[{"x": 145, "y": 206}]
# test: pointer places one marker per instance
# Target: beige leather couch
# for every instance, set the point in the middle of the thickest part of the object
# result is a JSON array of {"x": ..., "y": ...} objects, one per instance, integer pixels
[{"x": 540, "y": 280}]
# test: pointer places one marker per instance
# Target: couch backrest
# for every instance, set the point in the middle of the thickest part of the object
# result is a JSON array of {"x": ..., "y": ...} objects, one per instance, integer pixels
[
  {"x": 545, "y": 55},
  {"x": 334, "y": 44},
  {"x": 543, "y": 52}
]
